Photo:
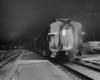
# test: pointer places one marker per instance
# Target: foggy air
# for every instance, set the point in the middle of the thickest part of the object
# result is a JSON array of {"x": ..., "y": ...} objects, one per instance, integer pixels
[
  {"x": 49, "y": 40},
  {"x": 30, "y": 17}
]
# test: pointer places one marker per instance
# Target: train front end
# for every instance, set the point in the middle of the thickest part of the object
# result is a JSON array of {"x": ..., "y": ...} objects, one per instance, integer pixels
[
  {"x": 71, "y": 39},
  {"x": 67, "y": 38},
  {"x": 66, "y": 41}
]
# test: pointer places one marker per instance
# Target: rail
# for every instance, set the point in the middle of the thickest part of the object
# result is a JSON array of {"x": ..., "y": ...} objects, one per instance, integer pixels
[
  {"x": 72, "y": 71},
  {"x": 8, "y": 58}
]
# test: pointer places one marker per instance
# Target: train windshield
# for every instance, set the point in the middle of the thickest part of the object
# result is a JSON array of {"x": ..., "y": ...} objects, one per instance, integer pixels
[{"x": 67, "y": 38}]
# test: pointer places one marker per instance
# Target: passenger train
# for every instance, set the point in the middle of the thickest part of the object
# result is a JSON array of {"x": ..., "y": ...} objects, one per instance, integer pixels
[{"x": 62, "y": 38}]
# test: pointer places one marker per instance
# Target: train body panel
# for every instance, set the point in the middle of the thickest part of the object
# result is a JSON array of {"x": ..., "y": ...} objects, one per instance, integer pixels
[
  {"x": 54, "y": 36},
  {"x": 61, "y": 36},
  {"x": 77, "y": 36}
]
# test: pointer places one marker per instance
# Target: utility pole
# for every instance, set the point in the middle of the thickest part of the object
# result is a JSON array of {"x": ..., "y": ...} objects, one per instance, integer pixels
[{"x": 93, "y": 28}]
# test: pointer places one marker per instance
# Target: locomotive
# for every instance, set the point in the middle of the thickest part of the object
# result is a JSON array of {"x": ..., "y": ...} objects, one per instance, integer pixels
[{"x": 62, "y": 38}]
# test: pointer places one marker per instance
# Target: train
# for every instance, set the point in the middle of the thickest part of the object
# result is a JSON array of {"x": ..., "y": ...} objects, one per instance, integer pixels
[{"x": 61, "y": 39}]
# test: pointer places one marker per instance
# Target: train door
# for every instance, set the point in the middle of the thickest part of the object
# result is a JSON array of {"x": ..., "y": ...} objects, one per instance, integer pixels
[
  {"x": 67, "y": 37},
  {"x": 67, "y": 41}
]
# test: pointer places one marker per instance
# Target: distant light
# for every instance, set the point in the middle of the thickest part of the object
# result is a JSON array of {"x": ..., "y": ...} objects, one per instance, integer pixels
[
  {"x": 83, "y": 33},
  {"x": 15, "y": 46}
]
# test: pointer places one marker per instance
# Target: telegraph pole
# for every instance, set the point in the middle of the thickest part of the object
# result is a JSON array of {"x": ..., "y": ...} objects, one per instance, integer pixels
[{"x": 93, "y": 27}]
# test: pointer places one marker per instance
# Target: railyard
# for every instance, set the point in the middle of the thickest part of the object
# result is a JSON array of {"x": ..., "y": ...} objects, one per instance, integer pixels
[
  {"x": 49, "y": 40},
  {"x": 31, "y": 66}
]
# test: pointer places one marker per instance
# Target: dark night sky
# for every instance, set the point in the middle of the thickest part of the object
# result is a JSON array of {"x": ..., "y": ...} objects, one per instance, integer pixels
[{"x": 28, "y": 18}]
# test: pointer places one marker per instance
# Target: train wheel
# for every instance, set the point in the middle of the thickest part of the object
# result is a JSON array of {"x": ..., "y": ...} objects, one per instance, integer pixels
[{"x": 53, "y": 55}]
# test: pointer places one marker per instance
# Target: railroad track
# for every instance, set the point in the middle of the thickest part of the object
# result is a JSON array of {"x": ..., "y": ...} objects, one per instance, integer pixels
[
  {"x": 81, "y": 70},
  {"x": 5, "y": 54},
  {"x": 91, "y": 65},
  {"x": 98, "y": 64},
  {"x": 8, "y": 58},
  {"x": 72, "y": 71}
]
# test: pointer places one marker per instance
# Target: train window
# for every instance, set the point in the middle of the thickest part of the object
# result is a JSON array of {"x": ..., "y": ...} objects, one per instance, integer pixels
[
  {"x": 63, "y": 32},
  {"x": 67, "y": 38}
]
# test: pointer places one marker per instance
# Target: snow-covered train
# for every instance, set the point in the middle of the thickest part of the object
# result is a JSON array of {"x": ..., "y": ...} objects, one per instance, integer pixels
[{"x": 61, "y": 39}]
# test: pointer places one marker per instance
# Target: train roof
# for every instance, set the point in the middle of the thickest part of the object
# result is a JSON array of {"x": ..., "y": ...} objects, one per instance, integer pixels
[
  {"x": 63, "y": 19},
  {"x": 58, "y": 19}
]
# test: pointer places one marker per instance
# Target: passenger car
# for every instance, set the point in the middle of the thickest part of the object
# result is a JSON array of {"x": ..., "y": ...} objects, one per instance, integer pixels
[{"x": 62, "y": 38}]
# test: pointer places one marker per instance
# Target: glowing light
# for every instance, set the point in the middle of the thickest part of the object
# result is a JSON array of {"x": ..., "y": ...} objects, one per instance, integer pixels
[
  {"x": 67, "y": 38},
  {"x": 64, "y": 32},
  {"x": 83, "y": 33}
]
